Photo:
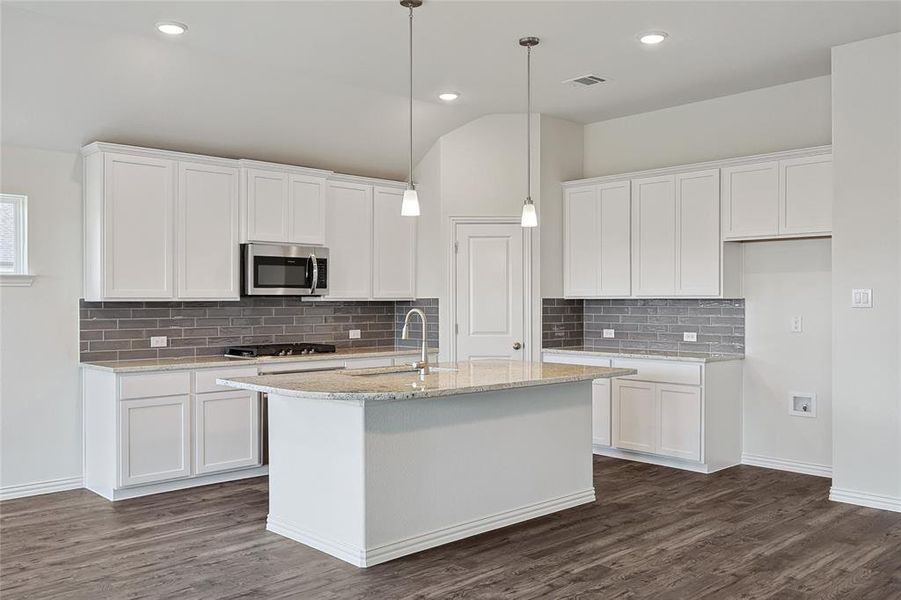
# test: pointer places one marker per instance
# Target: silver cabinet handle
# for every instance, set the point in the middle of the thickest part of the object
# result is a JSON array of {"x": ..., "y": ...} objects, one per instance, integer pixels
[
  {"x": 517, "y": 345},
  {"x": 315, "y": 273}
]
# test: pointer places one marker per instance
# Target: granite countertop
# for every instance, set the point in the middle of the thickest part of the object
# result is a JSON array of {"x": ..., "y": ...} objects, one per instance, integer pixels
[
  {"x": 681, "y": 357},
  {"x": 203, "y": 362},
  {"x": 447, "y": 379}
]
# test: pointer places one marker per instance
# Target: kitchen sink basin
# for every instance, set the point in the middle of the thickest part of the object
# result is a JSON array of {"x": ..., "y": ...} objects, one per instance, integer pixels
[{"x": 392, "y": 370}]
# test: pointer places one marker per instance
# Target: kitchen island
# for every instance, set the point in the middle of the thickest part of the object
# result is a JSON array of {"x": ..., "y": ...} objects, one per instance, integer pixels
[{"x": 372, "y": 464}]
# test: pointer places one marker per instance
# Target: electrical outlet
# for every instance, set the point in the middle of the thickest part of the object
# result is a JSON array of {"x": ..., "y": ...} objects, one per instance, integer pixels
[
  {"x": 354, "y": 334},
  {"x": 689, "y": 336},
  {"x": 609, "y": 333},
  {"x": 862, "y": 298},
  {"x": 159, "y": 341},
  {"x": 797, "y": 324}
]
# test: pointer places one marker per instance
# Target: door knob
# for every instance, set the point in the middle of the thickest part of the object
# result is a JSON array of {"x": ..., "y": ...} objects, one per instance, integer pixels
[{"x": 517, "y": 345}]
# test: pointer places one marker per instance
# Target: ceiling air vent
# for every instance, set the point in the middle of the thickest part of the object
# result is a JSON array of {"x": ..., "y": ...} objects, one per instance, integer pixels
[{"x": 585, "y": 81}]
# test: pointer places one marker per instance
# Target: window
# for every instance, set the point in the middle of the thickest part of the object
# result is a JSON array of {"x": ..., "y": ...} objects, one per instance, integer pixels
[{"x": 13, "y": 238}]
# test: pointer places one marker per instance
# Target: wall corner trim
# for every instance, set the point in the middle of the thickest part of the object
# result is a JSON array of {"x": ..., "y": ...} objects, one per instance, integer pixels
[
  {"x": 41, "y": 487},
  {"x": 892, "y": 503}
]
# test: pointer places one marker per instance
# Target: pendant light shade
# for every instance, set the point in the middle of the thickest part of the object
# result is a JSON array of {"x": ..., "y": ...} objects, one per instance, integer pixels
[
  {"x": 410, "y": 205},
  {"x": 529, "y": 215}
]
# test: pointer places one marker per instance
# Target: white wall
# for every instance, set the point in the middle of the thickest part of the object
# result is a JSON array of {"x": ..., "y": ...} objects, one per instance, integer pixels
[
  {"x": 40, "y": 404},
  {"x": 561, "y": 160},
  {"x": 429, "y": 256},
  {"x": 783, "y": 279},
  {"x": 866, "y": 89},
  {"x": 783, "y": 117}
]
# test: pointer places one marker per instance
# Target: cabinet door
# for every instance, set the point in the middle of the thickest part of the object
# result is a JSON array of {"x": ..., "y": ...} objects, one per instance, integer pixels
[
  {"x": 268, "y": 216},
  {"x": 207, "y": 237},
  {"x": 654, "y": 236},
  {"x": 634, "y": 415},
  {"x": 805, "y": 195},
  {"x": 139, "y": 201},
  {"x": 698, "y": 233},
  {"x": 349, "y": 238},
  {"x": 581, "y": 247},
  {"x": 154, "y": 440},
  {"x": 750, "y": 200},
  {"x": 614, "y": 234},
  {"x": 679, "y": 421},
  {"x": 226, "y": 431},
  {"x": 393, "y": 246},
  {"x": 600, "y": 412},
  {"x": 306, "y": 209}
]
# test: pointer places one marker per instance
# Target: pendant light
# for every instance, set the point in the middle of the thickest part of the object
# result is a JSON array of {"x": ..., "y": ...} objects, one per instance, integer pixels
[
  {"x": 529, "y": 216},
  {"x": 410, "y": 205}
]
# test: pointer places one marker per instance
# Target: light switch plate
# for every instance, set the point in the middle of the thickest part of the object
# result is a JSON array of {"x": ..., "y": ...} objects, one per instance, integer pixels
[
  {"x": 159, "y": 341},
  {"x": 862, "y": 298},
  {"x": 797, "y": 324},
  {"x": 689, "y": 336},
  {"x": 354, "y": 334},
  {"x": 609, "y": 333}
]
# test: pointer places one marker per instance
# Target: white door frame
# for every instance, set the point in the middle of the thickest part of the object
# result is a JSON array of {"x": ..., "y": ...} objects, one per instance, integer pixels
[{"x": 528, "y": 298}]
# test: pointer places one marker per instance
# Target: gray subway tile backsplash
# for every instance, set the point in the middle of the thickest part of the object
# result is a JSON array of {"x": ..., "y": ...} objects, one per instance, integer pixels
[
  {"x": 122, "y": 330},
  {"x": 646, "y": 325}
]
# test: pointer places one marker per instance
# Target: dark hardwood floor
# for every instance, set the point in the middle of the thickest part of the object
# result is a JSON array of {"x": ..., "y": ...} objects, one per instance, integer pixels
[{"x": 653, "y": 533}]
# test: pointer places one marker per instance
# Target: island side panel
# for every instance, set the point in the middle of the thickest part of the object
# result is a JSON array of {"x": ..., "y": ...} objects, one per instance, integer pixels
[
  {"x": 441, "y": 469},
  {"x": 316, "y": 474}
]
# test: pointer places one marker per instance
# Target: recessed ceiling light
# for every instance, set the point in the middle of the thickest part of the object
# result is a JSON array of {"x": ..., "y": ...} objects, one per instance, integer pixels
[
  {"x": 652, "y": 38},
  {"x": 448, "y": 96},
  {"x": 171, "y": 27}
]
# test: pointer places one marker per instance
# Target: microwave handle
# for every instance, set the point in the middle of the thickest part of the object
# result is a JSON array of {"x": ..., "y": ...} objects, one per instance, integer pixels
[{"x": 312, "y": 259}]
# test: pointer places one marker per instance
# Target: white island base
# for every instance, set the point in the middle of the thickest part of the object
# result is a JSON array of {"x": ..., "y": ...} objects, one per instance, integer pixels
[{"x": 368, "y": 482}]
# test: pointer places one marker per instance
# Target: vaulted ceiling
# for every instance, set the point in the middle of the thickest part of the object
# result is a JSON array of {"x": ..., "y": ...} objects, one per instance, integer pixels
[{"x": 324, "y": 83}]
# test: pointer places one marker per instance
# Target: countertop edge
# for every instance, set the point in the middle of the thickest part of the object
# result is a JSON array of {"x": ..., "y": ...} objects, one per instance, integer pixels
[
  {"x": 238, "y": 362},
  {"x": 639, "y": 356},
  {"x": 415, "y": 395}
]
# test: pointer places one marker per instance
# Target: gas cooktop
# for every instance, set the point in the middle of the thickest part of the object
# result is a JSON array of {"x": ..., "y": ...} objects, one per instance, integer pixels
[{"x": 278, "y": 350}]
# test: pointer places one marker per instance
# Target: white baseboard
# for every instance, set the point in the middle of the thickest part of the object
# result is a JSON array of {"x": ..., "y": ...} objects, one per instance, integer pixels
[
  {"x": 780, "y": 464},
  {"x": 653, "y": 459},
  {"x": 180, "y": 484},
  {"x": 40, "y": 487},
  {"x": 367, "y": 557},
  {"x": 892, "y": 503}
]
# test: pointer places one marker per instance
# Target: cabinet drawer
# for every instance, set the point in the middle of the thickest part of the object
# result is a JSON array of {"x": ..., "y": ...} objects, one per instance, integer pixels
[
  {"x": 154, "y": 385},
  {"x": 575, "y": 359},
  {"x": 205, "y": 379},
  {"x": 661, "y": 371}
]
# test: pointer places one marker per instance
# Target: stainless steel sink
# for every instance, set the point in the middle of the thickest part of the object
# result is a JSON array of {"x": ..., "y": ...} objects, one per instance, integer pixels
[{"x": 392, "y": 370}]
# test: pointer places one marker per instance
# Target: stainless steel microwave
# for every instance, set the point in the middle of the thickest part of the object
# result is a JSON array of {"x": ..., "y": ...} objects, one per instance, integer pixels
[{"x": 283, "y": 270}]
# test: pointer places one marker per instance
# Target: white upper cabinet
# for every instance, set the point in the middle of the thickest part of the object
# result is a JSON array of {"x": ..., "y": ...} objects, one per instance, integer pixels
[
  {"x": 596, "y": 241},
  {"x": 393, "y": 246},
  {"x": 207, "y": 231},
  {"x": 654, "y": 236},
  {"x": 283, "y": 204},
  {"x": 751, "y": 200},
  {"x": 698, "y": 233},
  {"x": 349, "y": 238},
  {"x": 805, "y": 195},
  {"x": 159, "y": 225},
  {"x": 306, "y": 208},
  {"x": 790, "y": 197},
  {"x": 267, "y": 206},
  {"x": 129, "y": 217}
]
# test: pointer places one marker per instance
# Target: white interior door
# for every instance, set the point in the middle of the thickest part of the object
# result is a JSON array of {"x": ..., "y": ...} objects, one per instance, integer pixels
[{"x": 490, "y": 294}]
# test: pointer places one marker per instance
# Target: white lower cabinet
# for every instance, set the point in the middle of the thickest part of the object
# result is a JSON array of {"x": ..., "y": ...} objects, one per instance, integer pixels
[
  {"x": 634, "y": 418},
  {"x": 226, "y": 431},
  {"x": 155, "y": 438},
  {"x": 679, "y": 420}
]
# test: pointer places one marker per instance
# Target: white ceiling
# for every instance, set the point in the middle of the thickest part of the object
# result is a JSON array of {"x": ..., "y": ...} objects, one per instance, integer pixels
[{"x": 324, "y": 83}]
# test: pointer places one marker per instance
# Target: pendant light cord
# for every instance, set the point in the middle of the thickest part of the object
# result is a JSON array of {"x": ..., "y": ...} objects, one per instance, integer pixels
[
  {"x": 529, "y": 124},
  {"x": 411, "y": 99}
]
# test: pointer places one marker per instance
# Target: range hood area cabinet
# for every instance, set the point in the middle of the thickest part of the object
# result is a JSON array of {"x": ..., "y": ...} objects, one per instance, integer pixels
[
  {"x": 672, "y": 232},
  {"x": 159, "y": 225},
  {"x": 282, "y": 204},
  {"x": 372, "y": 248}
]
